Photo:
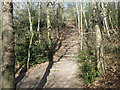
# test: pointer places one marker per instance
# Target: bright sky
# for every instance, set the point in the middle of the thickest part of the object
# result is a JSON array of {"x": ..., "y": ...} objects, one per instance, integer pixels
[
  {"x": 57, "y": 1},
  {"x": 60, "y": 0}
]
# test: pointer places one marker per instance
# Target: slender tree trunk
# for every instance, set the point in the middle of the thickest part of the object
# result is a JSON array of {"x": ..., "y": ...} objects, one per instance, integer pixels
[
  {"x": 58, "y": 21},
  {"x": 111, "y": 21},
  {"x": 105, "y": 19},
  {"x": 116, "y": 8},
  {"x": 38, "y": 28},
  {"x": 62, "y": 11},
  {"x": 85, "y": 19},
  {"x": 32, "y": 34},
  {"x": 30, "y": 44},
  {"x": 49, "y": 25},
  {"x": 81, "y": 28},
  {"x": 8, "y": 54},
  {"x": 30, "y": 19},
  {"x": 78, "y": 18},
  {"x": 74, "y": 14},
  {"x": 60, "y": 18},
  {"x": 90, "y": 23}
]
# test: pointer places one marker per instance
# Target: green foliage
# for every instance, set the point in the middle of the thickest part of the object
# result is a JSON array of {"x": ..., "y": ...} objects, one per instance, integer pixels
[
  {"x": 39, "y": 53},
  {"x": 88, "y": 68}
]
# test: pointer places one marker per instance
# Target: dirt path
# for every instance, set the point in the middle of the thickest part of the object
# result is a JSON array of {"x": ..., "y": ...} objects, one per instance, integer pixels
[{"x": 61, "y": 73}]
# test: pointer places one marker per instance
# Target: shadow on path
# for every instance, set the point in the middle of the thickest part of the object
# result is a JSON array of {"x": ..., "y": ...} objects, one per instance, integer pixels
[
  {"x": 44, "y": 78},
  {"x": 50, "y": 55},
  {"x": 47, "y": 72},
  {"x": 21, "y": 74}
]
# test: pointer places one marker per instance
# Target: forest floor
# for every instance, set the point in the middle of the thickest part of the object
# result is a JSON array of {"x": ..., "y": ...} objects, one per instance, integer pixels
[
  {"x": 112, "y": 56},
  {"x": 62, "y": 72}
]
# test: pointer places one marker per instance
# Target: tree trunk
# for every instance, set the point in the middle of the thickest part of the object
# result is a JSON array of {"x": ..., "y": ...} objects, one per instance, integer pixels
[
  {"x": 101, "y": 66},
  {"x": 58, "y": 21},
  {"x": 8, "y": 54},
  {"x": 38, "y": 28},
  {"x": 116, "y": 8},
  {"x": 62, "y": 11},
  {"x": 30, "y": 19},
  {"x": 78, "y": 18},
  {"x": 74, "y": 14},
  {"x": 81, "y": 29},
  {"x": 30, "y": 44},
  {"x": 49, "y": 26},
  {"x": 111, "y": 21},
  {"x": 32, "y": 34},
  {"x": 99, "y": 51},
  {"x": 85, "y": 19},
  {"x": 105, "y": 19}
]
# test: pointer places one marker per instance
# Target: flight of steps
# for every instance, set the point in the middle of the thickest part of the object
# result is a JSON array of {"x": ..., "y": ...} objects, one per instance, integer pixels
[{"x": 63, "y": 72}]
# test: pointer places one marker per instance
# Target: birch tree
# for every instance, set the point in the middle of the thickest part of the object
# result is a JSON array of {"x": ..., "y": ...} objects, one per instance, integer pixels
[
  {"x": 31, "y": 32},
  {"x": 85, "y": 19},
  {"x": 105, "y": 19},
  {"x": 81, "y": 28},
  {"x": 116, "y": 9},
  {"x": 38, "y": 28},
  {"x": 78, "y": 18},
  {"x": 8, "y": 56},
  {"x": 48, "y": 25},
  {"x": 111, "y": 21}
]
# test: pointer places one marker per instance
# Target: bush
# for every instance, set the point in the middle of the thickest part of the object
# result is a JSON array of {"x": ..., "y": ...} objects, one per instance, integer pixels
[{"x": 39, "y": 53}]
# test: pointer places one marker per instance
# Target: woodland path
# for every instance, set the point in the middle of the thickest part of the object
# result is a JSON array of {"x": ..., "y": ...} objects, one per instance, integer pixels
[{"x": 63, "y": 72}]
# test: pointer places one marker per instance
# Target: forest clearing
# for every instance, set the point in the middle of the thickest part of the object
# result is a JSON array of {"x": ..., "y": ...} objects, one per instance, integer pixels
[{"x": 59, "y": 44}]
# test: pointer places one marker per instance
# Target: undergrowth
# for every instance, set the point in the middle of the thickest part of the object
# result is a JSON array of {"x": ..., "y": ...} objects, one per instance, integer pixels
[
  {"x": 88, "y": 68},
  {"x": 40, "y": 53}
]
